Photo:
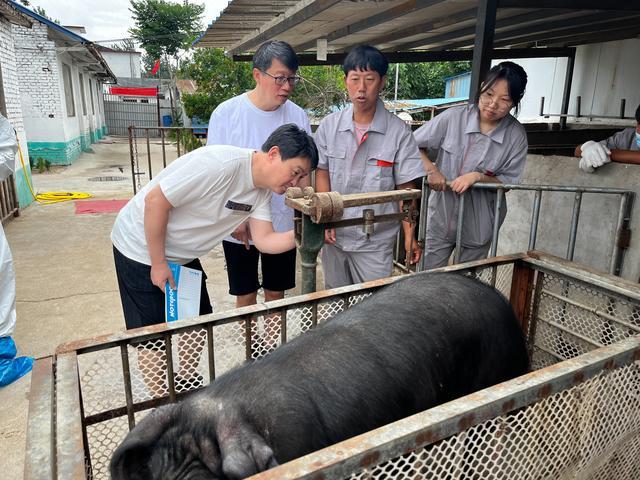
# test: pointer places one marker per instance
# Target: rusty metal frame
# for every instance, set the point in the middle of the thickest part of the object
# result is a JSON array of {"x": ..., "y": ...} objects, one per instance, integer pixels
[
  {"x": 57, "y": 446},
  {"x": 425, "y": 428}
]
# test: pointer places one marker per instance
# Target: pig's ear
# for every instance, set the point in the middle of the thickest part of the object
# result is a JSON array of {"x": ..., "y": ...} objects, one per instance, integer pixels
[
  {"x": 129, "y": 461},
  {"x": 244, "y": 453}
]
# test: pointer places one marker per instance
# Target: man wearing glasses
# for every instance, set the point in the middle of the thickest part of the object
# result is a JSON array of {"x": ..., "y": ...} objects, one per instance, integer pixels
[{"x": 247, "y": 121}]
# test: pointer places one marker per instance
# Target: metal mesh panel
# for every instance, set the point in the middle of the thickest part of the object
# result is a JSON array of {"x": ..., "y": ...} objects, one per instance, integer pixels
[
  {"x": 535, "y": 442},
  {"x": 102, "y": 378},
  {"x": 589, "y": 431},
  {"x": 574, "y": 318}
]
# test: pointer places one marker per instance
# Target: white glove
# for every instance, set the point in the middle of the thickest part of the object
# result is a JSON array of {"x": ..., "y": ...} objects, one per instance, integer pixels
[{"x": 594, "y": 155}]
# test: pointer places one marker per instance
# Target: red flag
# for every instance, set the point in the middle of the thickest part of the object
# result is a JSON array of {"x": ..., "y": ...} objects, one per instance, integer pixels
[{"x": 156, "y": 67}]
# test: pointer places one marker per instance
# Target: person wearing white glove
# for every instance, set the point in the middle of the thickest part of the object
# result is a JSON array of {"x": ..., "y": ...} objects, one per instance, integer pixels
[{"x": 594, "y": 154}]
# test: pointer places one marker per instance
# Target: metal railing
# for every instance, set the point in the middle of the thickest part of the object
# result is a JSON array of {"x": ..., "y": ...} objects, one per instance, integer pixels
[
  {"x": 182, "y": 139},
  {"x": 9, "y": 206},
  {"x": 578, "y": 113},
  {"x": 618, "y": 243},
  {"x": 85, "y": 399}
]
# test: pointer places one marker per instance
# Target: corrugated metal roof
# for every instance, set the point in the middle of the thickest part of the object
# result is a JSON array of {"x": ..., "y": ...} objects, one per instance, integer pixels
[{"x": 418, "y": 25}]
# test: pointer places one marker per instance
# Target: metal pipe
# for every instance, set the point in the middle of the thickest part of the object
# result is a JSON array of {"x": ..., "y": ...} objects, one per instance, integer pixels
[
  {"x": 211, "y": 353},
  {"x": 496, "y": 223},
  {"x": 575, "y": 217},
  {"x": 456, "y": 251},
  {"x": 170, "y": 373},
  {"x": 542, "y": 106},
  {"x": 422, "y": 224},
  {"x": 593, "y": 310},
  {"x": 164, "y": 153},
  {"x": 178, "y": 141},
  {"x": 283, "y": 325},
  {"x": 614, "y": 267},
  {"x": 133, "y": 172},
  {"x": 578, "y": 105},
  {"x": 247, "y": 337},
  {"x": 623, "y": 104},
  {"x": 126, "y": 373},
  {"x": 146, "y": 130},
  {"x": 535, "y": 216}
]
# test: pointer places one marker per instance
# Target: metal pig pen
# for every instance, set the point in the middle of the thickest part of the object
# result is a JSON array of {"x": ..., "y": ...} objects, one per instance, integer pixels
[{"x": 575, "y": 416}]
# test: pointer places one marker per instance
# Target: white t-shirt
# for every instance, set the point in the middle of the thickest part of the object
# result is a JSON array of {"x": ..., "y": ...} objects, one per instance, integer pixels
[
  {"x": 239, "y": 122},
  {"x": 212, "y": 192}
]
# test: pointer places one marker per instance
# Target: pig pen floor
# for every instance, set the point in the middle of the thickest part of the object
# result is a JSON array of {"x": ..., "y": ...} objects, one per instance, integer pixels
[{"x": 66, "y": 284}]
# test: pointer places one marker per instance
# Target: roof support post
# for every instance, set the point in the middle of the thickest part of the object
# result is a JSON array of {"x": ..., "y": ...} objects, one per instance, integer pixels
[
  {"x": 485, "y": 30},
  {"x": 566, "y": 93}
]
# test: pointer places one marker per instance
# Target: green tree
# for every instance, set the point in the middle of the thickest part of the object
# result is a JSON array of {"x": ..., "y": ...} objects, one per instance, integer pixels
[
  {"x": 422, "y": 80},
  {"x": 218, "y": 78},
  {"x": 322, "y": 88},
  {"x": 163, "y": 28}
]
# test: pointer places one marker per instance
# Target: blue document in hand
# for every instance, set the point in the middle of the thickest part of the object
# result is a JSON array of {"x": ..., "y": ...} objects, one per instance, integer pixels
[{"x": 184, "y": 301}]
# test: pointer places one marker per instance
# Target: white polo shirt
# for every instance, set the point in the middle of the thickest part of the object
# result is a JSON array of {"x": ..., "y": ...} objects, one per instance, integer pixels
[
  {"x": 239, "y": 122},
  {"x": 212, "y": 192}
]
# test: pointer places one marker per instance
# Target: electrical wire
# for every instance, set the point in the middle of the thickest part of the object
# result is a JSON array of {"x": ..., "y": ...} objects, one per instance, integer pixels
[{"x": 49, "y": 197}]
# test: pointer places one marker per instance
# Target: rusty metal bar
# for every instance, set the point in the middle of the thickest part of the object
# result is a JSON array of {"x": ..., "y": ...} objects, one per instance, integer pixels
[
  {"x": 422, "y": 224},
  {"x": 349, "y": 222},
  {"x": 496, "y": 223},
  {"x": 571, "y": 333},
  {"x": 283, "y": 325},
  {"x": 622, "y": 225},
  {"x": 314, "y": 314},
  {"x": 357, "y": 199},
  {"x": 623, "y": 104},
  {"x": 128, "y": 394},
  {"x": 133, "y": 167},
  {"x": 578, "y": 106},
  {"x": 410, "y": 434},
  {"x": 178, "y": 140},
  {"x": 247, "y": 337},
  {"x": 146, "y": 131},
  {"x": 592, "y": 310},
  {"x": 170, "y": 373},
  {"x": 69, "y": 446},
  {"x": 456, "y": 251},
  {"x": 211, "y": 353},
  {"x": 575, "y": 217},
  {"x": 164, "y": 153},
  {"x": 535, "y": 217},
  {"x": 40, "y": 448}
]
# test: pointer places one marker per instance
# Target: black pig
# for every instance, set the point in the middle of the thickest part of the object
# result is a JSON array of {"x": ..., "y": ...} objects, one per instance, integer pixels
[{"x": 419, "y": 342}]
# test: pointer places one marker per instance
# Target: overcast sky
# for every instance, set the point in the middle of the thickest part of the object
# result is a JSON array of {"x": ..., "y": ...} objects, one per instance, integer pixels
[{"x": 108, "y": 19}]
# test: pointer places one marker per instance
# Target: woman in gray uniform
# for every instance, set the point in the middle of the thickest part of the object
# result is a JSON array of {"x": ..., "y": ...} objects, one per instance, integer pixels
[{"x": 479, "y": 142}]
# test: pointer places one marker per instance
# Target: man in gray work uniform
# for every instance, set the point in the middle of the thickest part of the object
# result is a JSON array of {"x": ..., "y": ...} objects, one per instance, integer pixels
[{"x": 364, "y": 148}]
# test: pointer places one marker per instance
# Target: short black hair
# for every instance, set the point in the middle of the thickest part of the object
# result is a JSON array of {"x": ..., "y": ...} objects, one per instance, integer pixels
[
  {"x": 365, "y": 57},
  {"x": 293, "y": 142},
  {"x": 516, "y": 79},
  {"x": 275, "y": 49},
  {"x": 638, "y": 114}
]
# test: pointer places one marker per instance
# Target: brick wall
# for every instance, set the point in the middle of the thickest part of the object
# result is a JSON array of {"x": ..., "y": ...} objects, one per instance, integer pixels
[
  {"x": 38, "y": 69},
  {"x": 10, "y": 77}
]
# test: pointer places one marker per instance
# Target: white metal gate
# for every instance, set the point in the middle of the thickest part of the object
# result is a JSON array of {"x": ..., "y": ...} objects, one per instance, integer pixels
[{"x": 120, "y": 112}]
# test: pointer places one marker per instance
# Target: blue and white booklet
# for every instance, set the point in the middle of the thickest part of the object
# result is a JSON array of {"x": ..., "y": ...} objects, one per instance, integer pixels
[{"x": 184, "y": 301}]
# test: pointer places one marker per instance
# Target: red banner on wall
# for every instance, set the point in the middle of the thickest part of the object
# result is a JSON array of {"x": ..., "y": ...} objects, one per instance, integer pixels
[{"x": 133, "y": 91}]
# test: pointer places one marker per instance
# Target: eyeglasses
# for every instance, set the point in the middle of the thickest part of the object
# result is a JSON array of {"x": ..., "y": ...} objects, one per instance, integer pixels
[
  {"x": 281, "y": 79},
  {"x": 487, "y": 99}
]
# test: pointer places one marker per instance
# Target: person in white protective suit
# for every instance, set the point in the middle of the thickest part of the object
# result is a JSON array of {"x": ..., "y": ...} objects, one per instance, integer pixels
[
  {"x": 594, "y": 154},
  {"x": 11, "y": 367}
]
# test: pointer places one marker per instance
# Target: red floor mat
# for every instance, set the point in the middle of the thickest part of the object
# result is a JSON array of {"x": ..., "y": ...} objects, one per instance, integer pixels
[{"x": 99, "y": 206}]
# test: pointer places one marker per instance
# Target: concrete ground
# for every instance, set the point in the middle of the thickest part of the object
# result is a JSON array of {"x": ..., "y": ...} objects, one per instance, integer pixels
[{"x": 66, "y": 284}]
